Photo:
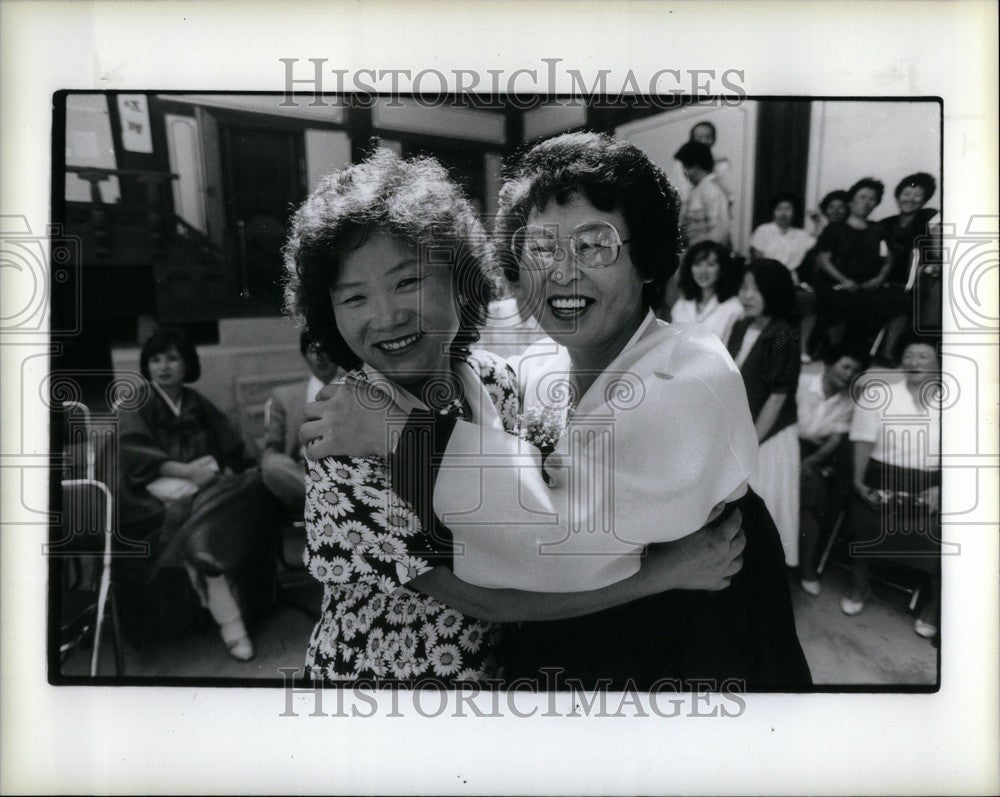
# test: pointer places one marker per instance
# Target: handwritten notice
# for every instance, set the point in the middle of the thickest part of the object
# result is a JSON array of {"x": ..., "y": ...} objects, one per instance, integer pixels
[{"x": 134, "y": 114}]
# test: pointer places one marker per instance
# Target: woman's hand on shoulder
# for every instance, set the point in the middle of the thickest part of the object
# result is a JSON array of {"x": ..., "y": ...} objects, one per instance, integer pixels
[
  {"x": 346, "y": 419},
  {"x": 705, "y": 560}
]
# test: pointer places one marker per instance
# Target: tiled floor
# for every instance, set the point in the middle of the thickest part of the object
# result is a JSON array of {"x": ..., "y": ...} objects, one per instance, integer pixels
[{"x": 877, "y": 647}]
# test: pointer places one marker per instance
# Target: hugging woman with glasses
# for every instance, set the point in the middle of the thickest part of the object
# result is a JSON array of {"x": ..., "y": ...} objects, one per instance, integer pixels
[
  {"x": 649, "y": 422},
  {"x": 389, "y": 268}
]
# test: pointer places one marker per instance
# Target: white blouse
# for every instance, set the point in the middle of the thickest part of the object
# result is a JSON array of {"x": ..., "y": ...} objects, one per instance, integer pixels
[
  {"x": 661, "y": 437},
  {"x": 904, "y": 433},
  {"x": 717, "y": 316}
]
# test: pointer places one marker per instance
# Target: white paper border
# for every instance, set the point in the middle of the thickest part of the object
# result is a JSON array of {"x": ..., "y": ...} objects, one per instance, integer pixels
[{"x": 231, "y": 740}]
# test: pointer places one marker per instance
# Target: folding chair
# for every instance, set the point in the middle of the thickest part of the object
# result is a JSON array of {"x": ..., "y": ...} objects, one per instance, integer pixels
[{"x": 88, "y": 508}]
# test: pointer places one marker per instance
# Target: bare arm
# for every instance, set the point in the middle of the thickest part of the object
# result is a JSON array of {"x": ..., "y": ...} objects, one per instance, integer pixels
[
  {"x": 705, "y": 560},
  {"x": 769, "y": 414},
  {"x": 882, "y": 275},
  {"x": 862, "y": 454},
  {"x": 826, "y": 449},
  {"x": 826, "y": 264}
]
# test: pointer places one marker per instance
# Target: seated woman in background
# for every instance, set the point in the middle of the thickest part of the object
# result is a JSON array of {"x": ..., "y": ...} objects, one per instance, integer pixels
[
  {"x": 765, "y": 346},
  {"x": 903, "y": 233},
  {"x": 825, "y": 408},
  {"x": 779, "y": 240},
  {"x": 184, "y": 468},
  {"x": 852, "y": 261},
  {"x": 709, "y": 281},
  {"x": 895, "y": 506},
  {"x": 832, "y": 208}
]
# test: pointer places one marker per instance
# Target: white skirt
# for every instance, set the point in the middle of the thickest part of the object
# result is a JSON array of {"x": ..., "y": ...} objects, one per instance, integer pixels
[{"x": 776, "y": 481}]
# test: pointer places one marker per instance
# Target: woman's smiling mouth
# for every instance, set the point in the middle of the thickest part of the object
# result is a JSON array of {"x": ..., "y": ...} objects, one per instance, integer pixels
[
  {"x": 569, "y": 306},
  {"x": 398, "y": 345}
]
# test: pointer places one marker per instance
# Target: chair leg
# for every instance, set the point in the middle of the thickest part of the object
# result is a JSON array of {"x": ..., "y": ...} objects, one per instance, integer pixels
[
  {"x": 116, "y": 635},
  {"x": 102, "y": 601},
  {"x": 915, "y": 597},
  {"x": 829, "y": 542}
]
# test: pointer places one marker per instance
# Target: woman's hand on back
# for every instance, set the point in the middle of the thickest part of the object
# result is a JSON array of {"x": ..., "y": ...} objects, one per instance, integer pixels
[
  {"x": 343, "y": 421},
  {"x": 705, "y": 560}
]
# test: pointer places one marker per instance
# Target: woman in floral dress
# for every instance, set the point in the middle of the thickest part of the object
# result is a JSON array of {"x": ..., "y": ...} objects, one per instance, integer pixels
[{"x": 390, "y": 269}]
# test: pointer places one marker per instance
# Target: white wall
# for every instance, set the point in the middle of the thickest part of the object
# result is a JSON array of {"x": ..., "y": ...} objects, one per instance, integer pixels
[
  {"x": 407, "y": 115},
  {"x": 326, "y": 151},
  {"x": 662, "y": 135},
  {"x": 885, "y": 140},
  {"x": 548, "y": 119}
]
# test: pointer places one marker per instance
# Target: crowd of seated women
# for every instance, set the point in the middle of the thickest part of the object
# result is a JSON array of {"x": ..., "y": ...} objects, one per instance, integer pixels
[{"x": 834, "y": 440}]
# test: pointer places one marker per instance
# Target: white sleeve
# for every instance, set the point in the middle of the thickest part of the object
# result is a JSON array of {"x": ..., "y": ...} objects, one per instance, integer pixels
[{"x": 865, "y": 425}]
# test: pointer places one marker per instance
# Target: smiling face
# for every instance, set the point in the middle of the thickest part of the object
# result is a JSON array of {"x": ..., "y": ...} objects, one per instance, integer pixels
[
  {"x": 863, "y": 202},
  {"x": 167, "y": 369},
  {"x": 836, "y": 210},
  {"x": 919, "y": 362},
  {"x": 396, "y": 314},
  {"x": 705, "y": 273},
  {"x": 751, "y": 298},
  {"x": 911, "y": 199},
  {"x": 593, "y": 312},
  {"x": 783, "y": 213}
]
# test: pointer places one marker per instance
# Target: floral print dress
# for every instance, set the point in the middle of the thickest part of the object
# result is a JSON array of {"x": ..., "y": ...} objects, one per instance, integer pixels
[{"x": 364, "y": 544}]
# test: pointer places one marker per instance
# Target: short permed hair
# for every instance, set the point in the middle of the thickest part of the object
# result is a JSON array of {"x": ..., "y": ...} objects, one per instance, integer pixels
[
  {"x": 730, "y": 272},
  {"x": 918, "y": 180},
  {"x": 163, "y": 340},
  {"x": 868, "y": 182},
  {"x": 413, "y": 200},
  {"x": 833, "y": 196},
  {"x": 611, "y": 174}
]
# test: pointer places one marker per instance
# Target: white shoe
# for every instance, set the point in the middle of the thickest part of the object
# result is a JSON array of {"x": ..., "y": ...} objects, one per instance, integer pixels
[
  {"x": 852, "y": 607},
  {"x": 241, "y": 649},
  {"x": 238, "y": 643},
  {"x": 810, "y": 586},
  {"x": 925, "y": 629}
]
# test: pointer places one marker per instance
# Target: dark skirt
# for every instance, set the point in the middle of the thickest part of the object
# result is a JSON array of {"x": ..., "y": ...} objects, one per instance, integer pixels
[
  {"x": 902, "y": 530},
  {"x": 225, "y": 528},
  {"x": 745, "y": 633}
]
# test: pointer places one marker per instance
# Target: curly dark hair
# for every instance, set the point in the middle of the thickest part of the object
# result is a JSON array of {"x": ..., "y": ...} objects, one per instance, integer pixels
[
  {"x": 775, "y": 284},
  {"x": 868, "y": 182},
  {"x": 611, "y": 174},
  {"x": 833, "y": 196},
  {"x": 918, "y": 180},
  {"x": 162, "y": 341},
  {"x": 411, "y": 199},
  {"x": 730, "y": 273}
]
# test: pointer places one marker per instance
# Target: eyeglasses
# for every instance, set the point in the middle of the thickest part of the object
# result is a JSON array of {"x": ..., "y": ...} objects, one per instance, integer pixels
[{"x": 594, "y": 244}]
